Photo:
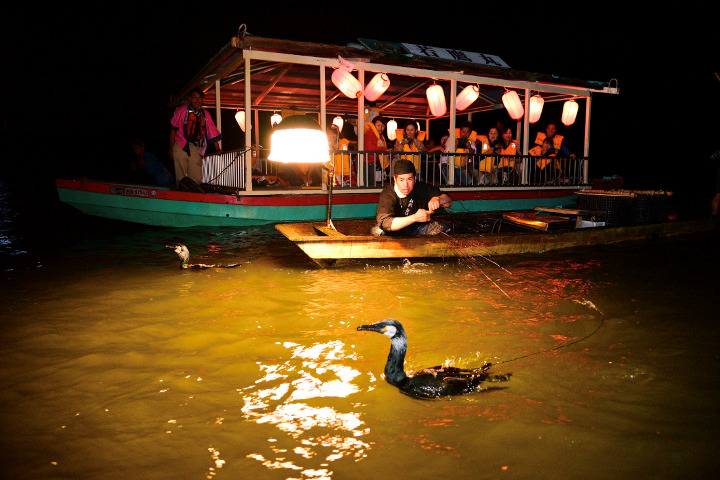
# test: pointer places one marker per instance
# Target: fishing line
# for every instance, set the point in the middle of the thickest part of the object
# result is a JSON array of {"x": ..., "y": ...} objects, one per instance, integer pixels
[
  {"x": 586, "y": 303},
  {"x": 454, "y": 243}
]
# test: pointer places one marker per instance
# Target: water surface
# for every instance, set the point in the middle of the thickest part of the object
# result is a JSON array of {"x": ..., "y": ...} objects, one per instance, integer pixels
[{"x": 116, "y": 363}]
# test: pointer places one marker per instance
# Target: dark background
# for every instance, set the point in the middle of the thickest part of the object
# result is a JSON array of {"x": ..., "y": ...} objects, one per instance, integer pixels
[{"x": 81, "y": 83}]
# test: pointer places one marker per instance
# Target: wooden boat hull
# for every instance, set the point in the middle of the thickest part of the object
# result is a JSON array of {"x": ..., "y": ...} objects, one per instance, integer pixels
[
  {"x": 161, "y": 206},
  {"x": 324, "y": 247}
]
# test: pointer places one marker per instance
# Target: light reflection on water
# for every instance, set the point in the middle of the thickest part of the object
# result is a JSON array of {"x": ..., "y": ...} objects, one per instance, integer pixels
[{"x": 117, "y": 363}]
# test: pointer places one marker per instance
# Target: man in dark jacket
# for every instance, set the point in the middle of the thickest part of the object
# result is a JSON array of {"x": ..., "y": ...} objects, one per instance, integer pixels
[{"x": 405, "y": 207}]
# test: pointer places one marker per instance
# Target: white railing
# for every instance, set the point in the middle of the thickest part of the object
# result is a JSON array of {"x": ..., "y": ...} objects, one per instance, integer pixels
[{"x": 362, "y": 169}]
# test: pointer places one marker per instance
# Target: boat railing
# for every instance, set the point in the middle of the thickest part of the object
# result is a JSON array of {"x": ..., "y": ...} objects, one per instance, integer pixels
[{"x": 358, "y": 169}]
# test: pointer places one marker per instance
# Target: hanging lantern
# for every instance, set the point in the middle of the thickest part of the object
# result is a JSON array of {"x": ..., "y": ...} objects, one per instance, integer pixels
[
  {"x": 240, "y": 119},
  {"x": 436, "y": 100},
  {"x": 512, "y": 103},
  {"x": 275, "y": 119},
  {"x": 569, "y": 113},
  {"x": 536, "y": 106},
  {"x": 377, "y": 87},
  {"x": 338, "y": 121},
  {"x": 467, "y": 97},
  {"x": 391, "y": 127},
  {"x": 346, "y": 83}
]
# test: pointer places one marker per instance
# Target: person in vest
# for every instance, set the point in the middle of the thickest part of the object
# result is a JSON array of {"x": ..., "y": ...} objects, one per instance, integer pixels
[
  {"x": 192, "y": 130},
  {"x": 545, "y": 169},
  {"x": 405, "y": 207},
  {"x": 411, "y": 144},
  {"x": 465, "y": 146},
  {"x": 506, "y": 150},
  {"x": 374, "y": 141},
  {"x": 487, "y": 145},
  {"x": 343, "y": 173},
  {"x": 557, "y": 141}
]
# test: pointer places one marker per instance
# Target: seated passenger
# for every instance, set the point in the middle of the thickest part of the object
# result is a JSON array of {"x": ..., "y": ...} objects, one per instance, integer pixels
[
  {"x": 374, "y": 141},
  {"x": 405, "y": 207},
  {"x": 343, "y": 173},
  {"x": 465, "y": 144},
  {"x": 409, "y": 140},
  {"x": 487, "y": 145},
  {"x": 557, "y": 141},
  {"x": 146, "y": 168},
  {"x": 546, "y": 168},
  {"x": 507, "y": 149}
]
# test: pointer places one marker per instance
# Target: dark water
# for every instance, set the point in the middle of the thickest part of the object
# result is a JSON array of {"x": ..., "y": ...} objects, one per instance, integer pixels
[{"x": 115, "y": 363}]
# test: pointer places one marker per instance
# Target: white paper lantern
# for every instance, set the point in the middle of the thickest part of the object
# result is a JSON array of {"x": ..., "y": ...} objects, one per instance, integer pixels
[
  {"x": 512, "y": 103},
  {"x": 346, "y": 83},
  {"x": 377, "y": 86},
  {"x": 391, "y": 128},
  {"x": 275, "y": 119},
  {"x": 240, "y": 119},
  {"x": 467, "y": 97},
  {"x": 436, "y": 100},
  {"x": 569, "y": 113},
  {"x": 338, "y": 121},
  {"x": 536, "y": 107}
]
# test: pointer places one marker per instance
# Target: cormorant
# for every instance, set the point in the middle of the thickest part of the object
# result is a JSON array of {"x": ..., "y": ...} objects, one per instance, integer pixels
[
  {"x": 432, "y": 382},
  {"x": 184, "y": 255}
]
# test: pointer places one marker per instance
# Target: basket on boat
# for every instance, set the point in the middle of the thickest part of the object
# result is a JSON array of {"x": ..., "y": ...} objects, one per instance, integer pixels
[{"x": 625, "y": 207}]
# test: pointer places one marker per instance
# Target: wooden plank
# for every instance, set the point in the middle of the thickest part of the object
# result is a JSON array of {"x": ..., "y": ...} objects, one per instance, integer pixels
[
  {"x": 571, "y": 211},
  {"x": 330, "y": 232}
]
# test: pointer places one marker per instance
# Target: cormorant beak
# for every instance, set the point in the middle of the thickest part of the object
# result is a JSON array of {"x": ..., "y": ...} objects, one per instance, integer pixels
[{"x": 373, "y": 328}]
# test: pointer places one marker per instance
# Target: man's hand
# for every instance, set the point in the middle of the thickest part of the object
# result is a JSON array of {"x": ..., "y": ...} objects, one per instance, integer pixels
[{"x": 422, "y": 215}]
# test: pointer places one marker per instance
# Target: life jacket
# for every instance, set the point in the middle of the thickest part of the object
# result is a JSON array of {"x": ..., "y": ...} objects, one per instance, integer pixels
[
  {"x": 557, "y": 141},
  {"x": 195, "y": 124},
  {"x": 511, "y": 150},
  {"x": 482, "y": 143},
  {"x": 342, "y": 166},
  {"x": 461, "y": 160},
  {"x": 380, "y": 146},
  {"x": 545, "y": 161},
  {"x": 400, "y": 133}
]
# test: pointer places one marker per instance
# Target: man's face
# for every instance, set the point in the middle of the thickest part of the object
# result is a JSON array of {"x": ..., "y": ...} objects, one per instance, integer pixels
[
  {"x": 550, "y": 131},
  {"x": 405, "y": 183},
  {"x": 196, "y": 100},
  {"x": 465, "y": 132}
]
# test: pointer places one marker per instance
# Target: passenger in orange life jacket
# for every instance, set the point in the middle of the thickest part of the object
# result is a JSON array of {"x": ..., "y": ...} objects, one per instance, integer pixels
[
  {"x": 507, "y": 148},
  {"x": 487, "y": 146},
  {"x": 343, "y": 173},
  {"x": 557, "y": 141},
  {"x": 410, "y": 144},
  {"x": 463, "y": 163},
  {"x": 547, "y": 168},
  {"x": 374, "y": 141}
]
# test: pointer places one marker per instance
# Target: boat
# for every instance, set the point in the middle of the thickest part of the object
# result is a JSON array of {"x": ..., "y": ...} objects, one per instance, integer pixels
[
  {"x": 539, "y": 230},
  {"x": 257, "y": 77}
]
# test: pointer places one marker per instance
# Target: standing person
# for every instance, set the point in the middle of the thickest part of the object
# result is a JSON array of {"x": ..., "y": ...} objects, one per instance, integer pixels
[
  {"x": 374, "y": 141},
  {"x": 192, "y": 130},
  {"x": 146, "y": 166},
  {"x": 406, "y": 206}
]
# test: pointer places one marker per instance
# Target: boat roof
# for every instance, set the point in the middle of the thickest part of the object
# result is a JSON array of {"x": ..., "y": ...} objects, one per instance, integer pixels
[{"x": 285, "y": 75}]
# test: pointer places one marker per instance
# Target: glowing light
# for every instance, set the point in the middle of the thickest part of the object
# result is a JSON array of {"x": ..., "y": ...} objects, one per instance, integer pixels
[
  {"x": 536, "y": 107},
  {"x": 275, "y": 119},
  {"x": 391, "y": 129},
  {"x": 569, "y": 112},
  {"x": 512, "y": 103},
  {"x": 467, "y": 97},
  {"x": 339, "y": 122},
  {"x": 436, "y": 100},
  {"x": 346, "y": 83},
  {"x": 377, "y": 86},
  {"x": 240, "y": 119},
  {"x": 298, "y": 139}
]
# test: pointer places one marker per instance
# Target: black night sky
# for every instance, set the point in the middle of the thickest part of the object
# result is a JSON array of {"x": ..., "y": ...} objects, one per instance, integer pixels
[{"x": 81, "y": 84}]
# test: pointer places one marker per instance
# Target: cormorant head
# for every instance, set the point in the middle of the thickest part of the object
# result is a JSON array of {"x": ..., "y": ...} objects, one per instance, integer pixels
[
  {"x": 182, "y": 252},
  {"x": 388, "y": 327}
]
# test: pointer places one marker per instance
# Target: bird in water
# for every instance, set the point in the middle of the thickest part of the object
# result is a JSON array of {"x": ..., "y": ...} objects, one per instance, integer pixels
[
  {"x": 184, "y": 255},
  {"x": 432, "y": 382}
]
